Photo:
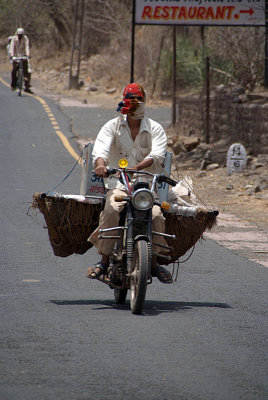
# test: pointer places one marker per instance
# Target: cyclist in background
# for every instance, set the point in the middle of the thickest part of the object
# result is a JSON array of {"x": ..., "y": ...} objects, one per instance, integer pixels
[{"x": 19, "y": 47}]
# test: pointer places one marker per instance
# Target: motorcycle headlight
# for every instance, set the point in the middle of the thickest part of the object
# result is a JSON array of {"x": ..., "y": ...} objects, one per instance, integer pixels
[{"x": 143, "y": 199}]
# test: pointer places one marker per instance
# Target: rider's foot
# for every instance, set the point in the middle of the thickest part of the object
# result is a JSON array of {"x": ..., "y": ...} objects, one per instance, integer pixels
[
  {"x": 162, "y": 274},
  {"x": 97, "y": 270},
  {"x": 27, "y": 90}
]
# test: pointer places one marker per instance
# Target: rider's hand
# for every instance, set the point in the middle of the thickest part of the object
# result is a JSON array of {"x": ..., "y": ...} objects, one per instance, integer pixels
[
  {"x": 101, "y": 171},
  {"x": 135, "y": 168}
]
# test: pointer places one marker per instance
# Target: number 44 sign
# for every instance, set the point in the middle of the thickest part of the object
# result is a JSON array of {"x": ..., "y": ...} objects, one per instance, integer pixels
[{"x": 236, "y": 158}]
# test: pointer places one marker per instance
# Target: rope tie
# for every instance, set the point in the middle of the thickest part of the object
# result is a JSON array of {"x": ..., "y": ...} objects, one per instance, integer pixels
[
  {"x": 178, "y": 262},
  {"x": 69, "y": 173}
]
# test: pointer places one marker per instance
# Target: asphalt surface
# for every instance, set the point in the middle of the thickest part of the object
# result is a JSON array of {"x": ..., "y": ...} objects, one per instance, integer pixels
[{"x": 62, "y": 336}]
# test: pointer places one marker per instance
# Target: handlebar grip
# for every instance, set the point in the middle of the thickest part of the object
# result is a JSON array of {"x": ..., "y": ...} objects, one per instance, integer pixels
[
  {"x": 171, "y": 182},
  {"x": 164, "y": 178},
  {"x": 111, "y": 171}
]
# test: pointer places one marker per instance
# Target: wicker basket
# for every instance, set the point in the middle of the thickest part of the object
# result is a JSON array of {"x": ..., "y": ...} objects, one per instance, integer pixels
[
  {"x": 188, "y": 230},
  {"x": 71, "y": 222}
]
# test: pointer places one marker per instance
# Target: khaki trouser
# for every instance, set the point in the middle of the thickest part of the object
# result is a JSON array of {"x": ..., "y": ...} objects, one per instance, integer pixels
[{"x": 109, "y": 218}]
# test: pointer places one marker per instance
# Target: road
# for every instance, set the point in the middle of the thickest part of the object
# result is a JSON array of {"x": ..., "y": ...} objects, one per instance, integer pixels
[{"x": 62, "y": 336}]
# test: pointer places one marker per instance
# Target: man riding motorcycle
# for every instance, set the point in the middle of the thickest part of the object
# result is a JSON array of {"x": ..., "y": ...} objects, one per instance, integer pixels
[
  {"x": 142, "y": 142},
  {"x": 19, "y": 47}
]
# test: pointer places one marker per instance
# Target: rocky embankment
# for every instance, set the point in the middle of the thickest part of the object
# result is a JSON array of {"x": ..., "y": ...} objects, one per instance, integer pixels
[{"x": 245, "y": 193}]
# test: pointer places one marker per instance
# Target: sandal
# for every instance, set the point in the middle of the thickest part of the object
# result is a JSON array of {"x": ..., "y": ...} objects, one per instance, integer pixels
[
  {"x": 162, "y": 274},
  {"x": 96, "y": 271}
]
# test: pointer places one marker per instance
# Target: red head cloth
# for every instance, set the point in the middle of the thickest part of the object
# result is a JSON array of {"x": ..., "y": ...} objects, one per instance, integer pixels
[
  {"x": 134, "y": 89},
  {"x": 133, "y": 101}
]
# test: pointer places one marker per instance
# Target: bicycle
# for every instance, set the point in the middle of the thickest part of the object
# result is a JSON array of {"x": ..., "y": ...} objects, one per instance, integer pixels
[{"x": 20, "y": 73}]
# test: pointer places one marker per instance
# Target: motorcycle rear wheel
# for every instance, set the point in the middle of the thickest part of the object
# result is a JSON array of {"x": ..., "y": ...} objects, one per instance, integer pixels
[
  {"x": 139, "y": 276},
  {"x": 120, "y": 296}
]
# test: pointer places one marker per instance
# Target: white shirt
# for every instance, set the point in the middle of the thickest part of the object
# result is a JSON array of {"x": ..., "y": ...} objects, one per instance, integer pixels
[
  {"x": 114, "y": 142},
  {"x": 19, "y": 48}
]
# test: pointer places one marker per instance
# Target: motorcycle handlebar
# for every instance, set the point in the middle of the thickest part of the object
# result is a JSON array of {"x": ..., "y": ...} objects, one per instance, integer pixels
[
  {"x": 111, "y": 171},
  {"x": 171, "y": 182},
  {"x": 164, "y": 178},
  {"x": 161, "y": 178},
  {"x": 20, "y": 58}
]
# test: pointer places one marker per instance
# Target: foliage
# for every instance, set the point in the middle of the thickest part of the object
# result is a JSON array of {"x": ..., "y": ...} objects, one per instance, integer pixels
[
  {"x": 241, "y": 51},
  {"x": 189, "y": 64},
  {"x": 236, "y": 55},
  {"x": 16, "y": 13}
]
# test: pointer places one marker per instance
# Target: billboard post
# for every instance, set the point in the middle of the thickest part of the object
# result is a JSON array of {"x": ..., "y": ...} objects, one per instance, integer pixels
[
  {"x": 174, "y": 73},
  {"x": 266, "y": 46}
]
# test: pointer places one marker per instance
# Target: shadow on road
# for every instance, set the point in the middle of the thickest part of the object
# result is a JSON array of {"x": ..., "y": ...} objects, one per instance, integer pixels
[
  {"x": 154, "y": 307},
  {"x": 151, "y": 307}
]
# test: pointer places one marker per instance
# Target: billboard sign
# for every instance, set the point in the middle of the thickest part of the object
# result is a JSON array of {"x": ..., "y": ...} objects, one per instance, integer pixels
[{"x": 200, "y": 12}]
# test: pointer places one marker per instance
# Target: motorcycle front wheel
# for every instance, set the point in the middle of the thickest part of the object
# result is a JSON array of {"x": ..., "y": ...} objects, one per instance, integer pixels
[{"x": 139, "y": 276}]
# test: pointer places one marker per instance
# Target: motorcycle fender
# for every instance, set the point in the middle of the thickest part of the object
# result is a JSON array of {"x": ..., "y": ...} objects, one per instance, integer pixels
[{"x": 141, "y": 237}]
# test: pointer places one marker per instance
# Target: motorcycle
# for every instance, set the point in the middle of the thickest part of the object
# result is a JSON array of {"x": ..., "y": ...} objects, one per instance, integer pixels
[
  {"x": 130, "y": 263},
  {"x": 71, "y": 219}
]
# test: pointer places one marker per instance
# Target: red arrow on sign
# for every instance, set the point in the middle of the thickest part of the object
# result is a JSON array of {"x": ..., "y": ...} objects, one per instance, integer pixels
[{"x": 250, "y": 11}]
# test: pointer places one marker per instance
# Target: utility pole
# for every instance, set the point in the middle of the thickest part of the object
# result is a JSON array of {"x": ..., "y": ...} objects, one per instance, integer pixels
[
  {"x": 207, "y": 100},
  {"x": 266, "y": 46},
  {"x": 76, "y": 45},
  {"x": 132, "y": 42},
  {"x": 174, "y": 76}
]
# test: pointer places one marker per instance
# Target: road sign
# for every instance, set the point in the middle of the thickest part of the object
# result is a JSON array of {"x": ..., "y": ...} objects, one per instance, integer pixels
[
  {"x": 236, "y": 158},
  {"x": 200, "y": 12}
]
